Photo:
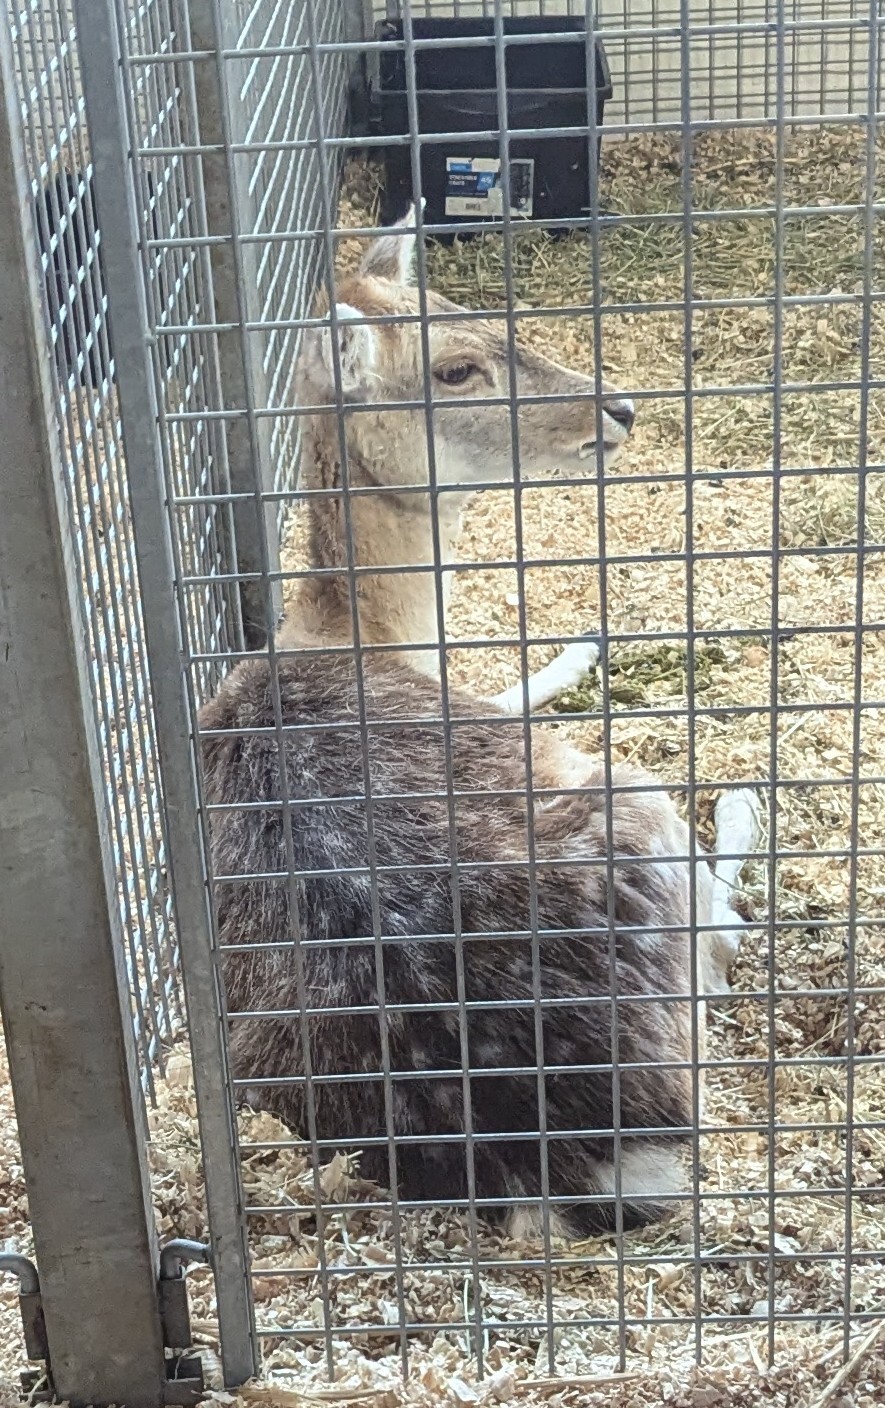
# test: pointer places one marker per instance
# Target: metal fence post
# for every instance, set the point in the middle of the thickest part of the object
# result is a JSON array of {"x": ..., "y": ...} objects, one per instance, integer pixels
[
  {"x": 62, "y": 977},
  {"x": 357, "y": 20},
  {"x": 219, "y": 198},
  {"x": 363, "y": 68},
  {"x": 105, "y": 104}
]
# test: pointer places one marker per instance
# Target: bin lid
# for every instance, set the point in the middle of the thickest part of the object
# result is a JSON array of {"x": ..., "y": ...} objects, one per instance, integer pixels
[{"x": 450, "y": 65}]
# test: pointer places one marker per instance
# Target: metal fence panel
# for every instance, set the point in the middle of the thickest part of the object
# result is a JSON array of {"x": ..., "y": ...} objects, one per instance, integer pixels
[
  {"x": 169, "y": 232},
  {"x": 87, "y": 431},
  {"x": 677, "y": 256},
  {"x": 159, "y": 556},
  {"x": 63, "y": 983}
]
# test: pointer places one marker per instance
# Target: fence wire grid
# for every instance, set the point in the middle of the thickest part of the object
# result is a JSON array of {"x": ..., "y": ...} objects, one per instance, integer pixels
[
  {"x": 170, "y": 201},
  {"x": 88, "y": 431},
  {"x": 733, "y": 53},
  {"x": 722, "y": 267}
]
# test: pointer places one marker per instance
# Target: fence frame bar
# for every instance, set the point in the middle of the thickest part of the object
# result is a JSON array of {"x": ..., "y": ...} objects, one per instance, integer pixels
[
  {"x": 220, "y": 192},
  {"x": 174, "y": 705},
  {"x": 63, "y": 985}
]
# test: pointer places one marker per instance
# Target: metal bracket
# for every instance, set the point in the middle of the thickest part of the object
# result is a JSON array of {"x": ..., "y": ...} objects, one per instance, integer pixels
[
  {"x": 184, "y": 1372},
  {"x": 184, "y": 1382},
  {"x": 184, "y": 1386},
  {"x": 36, "y": 1344}
]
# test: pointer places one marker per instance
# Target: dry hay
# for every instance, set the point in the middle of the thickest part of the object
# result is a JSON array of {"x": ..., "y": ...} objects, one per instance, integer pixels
[{"x": 817, "y": 510}]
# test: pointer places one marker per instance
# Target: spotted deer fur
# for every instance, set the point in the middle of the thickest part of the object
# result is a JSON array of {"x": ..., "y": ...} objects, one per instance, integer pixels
[{"x": 455, "y": 845}]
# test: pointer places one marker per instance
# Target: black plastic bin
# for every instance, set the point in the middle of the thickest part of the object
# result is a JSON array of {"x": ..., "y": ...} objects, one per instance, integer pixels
[{"x": 457, "y": 92}]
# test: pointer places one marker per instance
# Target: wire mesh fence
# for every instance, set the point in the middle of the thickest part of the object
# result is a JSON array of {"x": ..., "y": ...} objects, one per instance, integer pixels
[
  {"x": 164, "y": 119},
  {"x": 733, "y": 53},
  {"x": 276, "y": 94},
  {"x": 88, "y": 432},
  {"x": 724, "y": 270},
  {"x": 498, "y": 1111}
]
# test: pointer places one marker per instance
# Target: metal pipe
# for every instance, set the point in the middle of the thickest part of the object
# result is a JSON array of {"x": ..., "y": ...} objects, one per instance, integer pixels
[{"x": 22, "y": 1267}]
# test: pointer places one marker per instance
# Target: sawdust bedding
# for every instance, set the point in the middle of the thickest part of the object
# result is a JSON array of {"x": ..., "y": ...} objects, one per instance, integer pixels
[{"x": 732, "y": 512}]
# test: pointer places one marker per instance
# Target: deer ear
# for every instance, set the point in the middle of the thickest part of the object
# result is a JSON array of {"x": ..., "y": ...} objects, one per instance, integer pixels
[
  {"x": 354, "y": 346},
  {"x": 393, "y": 256}
]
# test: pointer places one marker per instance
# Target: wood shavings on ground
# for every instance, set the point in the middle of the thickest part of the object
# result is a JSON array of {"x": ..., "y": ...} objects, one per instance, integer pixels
[{"x": 749, "y": 1263}]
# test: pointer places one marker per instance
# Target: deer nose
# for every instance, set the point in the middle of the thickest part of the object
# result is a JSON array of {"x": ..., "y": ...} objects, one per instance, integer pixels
[{"x": 622, "y": 412}]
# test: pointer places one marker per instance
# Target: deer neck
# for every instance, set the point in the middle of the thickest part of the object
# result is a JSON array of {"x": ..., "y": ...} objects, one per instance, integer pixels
[{"x": 388, "y": 529}]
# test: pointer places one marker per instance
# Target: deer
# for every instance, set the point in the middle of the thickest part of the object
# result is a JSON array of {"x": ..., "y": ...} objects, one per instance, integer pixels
[{"x": 426, "y": 960}]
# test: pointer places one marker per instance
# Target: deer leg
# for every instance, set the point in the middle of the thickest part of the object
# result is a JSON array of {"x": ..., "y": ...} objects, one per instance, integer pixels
[
  {"x": 737, "y": 832},
  {"x": 565, "y": 672}
]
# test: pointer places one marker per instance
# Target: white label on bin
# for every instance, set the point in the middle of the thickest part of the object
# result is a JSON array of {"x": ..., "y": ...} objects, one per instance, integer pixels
[{"x": 473, "y": 186}]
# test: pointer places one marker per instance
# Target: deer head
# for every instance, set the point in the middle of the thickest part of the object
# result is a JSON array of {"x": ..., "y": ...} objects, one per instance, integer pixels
[{"x": 467, "y": 373}]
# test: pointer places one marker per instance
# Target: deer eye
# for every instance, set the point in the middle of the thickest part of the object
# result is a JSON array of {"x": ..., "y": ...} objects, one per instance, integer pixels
[{"x": 456, "y": 373}]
